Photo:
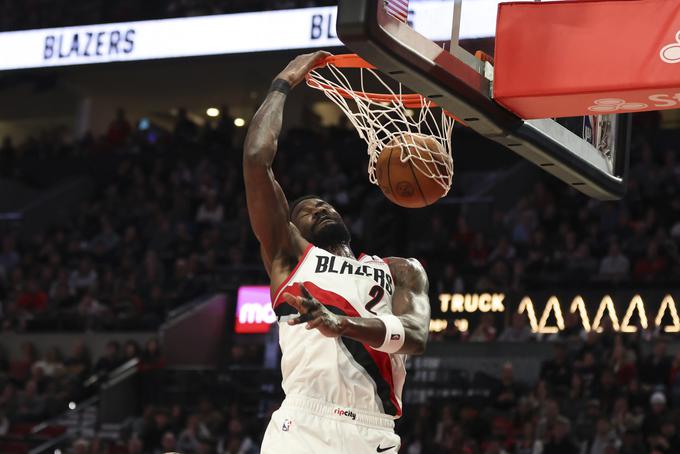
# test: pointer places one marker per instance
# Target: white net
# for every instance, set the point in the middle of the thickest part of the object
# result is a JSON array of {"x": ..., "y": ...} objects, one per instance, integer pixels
[{"x": 420, "y": 128}]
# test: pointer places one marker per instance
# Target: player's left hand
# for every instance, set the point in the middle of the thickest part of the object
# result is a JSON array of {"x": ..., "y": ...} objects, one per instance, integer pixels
[{"x": 315, "y": 314}]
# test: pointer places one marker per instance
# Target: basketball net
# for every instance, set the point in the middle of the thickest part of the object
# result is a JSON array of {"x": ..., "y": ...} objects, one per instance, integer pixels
[{"x": 389, "y": 118}]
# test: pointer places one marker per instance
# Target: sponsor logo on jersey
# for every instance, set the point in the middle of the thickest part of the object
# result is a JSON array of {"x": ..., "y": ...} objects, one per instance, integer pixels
[{"x": 346, "y": 413}]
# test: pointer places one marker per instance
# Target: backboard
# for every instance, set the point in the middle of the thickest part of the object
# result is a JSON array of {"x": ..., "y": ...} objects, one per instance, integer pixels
[{"x": 589, "y": 153}]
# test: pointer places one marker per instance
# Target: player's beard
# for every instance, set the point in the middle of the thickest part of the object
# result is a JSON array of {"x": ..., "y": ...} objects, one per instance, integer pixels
[{"x": 331, "y": 234}]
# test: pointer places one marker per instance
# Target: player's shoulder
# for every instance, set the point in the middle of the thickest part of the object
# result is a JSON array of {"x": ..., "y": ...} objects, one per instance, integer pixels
[{"x": 406, "y": 269}]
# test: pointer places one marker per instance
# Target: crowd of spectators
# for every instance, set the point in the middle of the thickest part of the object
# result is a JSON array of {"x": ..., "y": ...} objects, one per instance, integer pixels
[
  {"x": 155, "y": 234},
  {"x": 36, "y": 385},
  {"x": 554, "y": 237},
  {"x": 595, "y": 394},
  {"x": 168, "y": 223},
  {"x": 601, "y": 395},
  {"x": 31, "y": 14}
]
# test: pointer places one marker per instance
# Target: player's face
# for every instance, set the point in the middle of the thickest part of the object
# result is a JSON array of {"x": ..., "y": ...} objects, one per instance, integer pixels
[{"x": 320, "y": 224}]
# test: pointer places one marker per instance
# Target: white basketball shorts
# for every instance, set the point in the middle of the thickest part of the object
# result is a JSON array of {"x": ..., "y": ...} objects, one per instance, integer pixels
[{"x": 309, "y": 426}]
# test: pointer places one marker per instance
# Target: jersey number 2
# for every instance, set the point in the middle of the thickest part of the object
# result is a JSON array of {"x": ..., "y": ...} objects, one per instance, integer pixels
[{"x": 376, "y": 293}]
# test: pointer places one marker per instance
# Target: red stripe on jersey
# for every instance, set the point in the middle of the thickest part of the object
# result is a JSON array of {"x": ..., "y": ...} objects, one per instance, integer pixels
[
  {"x": 290, "y": 276},
  {"x": 382, "y": 360},
  {"x": 328, "y": 298}
]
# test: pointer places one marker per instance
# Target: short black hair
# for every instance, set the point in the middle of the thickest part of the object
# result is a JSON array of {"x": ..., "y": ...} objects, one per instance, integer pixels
[{"x": 299, "y": 200}]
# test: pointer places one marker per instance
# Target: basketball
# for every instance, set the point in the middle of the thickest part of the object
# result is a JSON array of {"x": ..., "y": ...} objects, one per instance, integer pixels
[{"x": 412, "y": 170}]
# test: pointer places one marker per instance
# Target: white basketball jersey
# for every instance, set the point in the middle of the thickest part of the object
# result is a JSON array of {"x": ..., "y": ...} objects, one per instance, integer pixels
[{"x": 340, "y": 370}]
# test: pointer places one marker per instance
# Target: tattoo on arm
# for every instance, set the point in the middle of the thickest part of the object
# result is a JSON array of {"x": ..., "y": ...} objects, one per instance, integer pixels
[
  {"x": 267, "y": 205},
  {"x": 411, "y": 302}
]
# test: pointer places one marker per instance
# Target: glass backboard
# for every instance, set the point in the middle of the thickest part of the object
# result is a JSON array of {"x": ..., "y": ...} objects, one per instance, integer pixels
[{"x": 589, "y": 153}]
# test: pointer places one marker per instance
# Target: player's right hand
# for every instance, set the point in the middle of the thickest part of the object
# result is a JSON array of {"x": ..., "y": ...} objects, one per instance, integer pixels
[
  {"x": 298, "y": 68},
  {"x": 315, "y": 314}
]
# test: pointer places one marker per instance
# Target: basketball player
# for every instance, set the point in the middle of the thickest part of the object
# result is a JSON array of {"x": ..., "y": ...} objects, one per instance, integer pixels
[{"x": 345, "y": 323}]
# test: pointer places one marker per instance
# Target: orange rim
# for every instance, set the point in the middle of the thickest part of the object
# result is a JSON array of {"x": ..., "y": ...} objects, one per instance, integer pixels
[{"x": 410, "y": 101}]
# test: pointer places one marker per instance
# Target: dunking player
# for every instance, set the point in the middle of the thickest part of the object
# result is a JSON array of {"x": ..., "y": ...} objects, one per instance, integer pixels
[{"x": 343, "y": 371}]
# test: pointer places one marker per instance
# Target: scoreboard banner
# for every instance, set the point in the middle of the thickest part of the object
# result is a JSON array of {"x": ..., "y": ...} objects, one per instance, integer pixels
[{"x": 305, "y": 28}]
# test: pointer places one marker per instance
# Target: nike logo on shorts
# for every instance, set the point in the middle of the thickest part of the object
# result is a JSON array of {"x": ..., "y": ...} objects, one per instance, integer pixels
[{"x": 379, "y": 449}]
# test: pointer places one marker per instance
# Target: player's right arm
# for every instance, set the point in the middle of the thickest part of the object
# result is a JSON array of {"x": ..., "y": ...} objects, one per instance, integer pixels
[{"x": 267, "y": 205}]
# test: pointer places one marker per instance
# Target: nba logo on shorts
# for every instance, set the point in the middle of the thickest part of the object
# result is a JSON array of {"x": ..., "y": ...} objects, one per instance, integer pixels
[{"x": 286, "y": 425}]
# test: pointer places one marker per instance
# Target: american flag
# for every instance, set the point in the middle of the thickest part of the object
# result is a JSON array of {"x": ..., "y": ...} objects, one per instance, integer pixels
[{"x": 397, "y": 8}]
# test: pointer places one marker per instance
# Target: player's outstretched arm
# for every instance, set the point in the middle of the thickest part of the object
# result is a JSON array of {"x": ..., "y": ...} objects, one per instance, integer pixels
[
  {"x": 267, "y": 205},
  {"x": 410, "y": 303}
]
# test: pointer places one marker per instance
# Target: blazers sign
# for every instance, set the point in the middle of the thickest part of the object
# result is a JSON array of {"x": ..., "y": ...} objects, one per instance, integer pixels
[{"x": 305, "y": 28}]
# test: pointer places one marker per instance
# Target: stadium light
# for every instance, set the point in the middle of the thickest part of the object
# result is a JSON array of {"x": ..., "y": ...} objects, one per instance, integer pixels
[
  {"x": 239, "y": 122},
  {"x": 213, "y": 112}
]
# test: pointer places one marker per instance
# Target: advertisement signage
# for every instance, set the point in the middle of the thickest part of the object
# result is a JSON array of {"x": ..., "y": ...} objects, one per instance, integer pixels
[
  {"x": 545, "y": 313},
  {"x": 254, "y": 313},
  {"x": 304, "y": 28}
]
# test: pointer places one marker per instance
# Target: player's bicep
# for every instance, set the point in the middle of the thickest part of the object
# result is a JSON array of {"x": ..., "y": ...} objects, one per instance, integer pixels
[
  {"x": 411, "y": 287},
  {"x": 267, "y": 209},
  {"x": 414, "y": 304}
]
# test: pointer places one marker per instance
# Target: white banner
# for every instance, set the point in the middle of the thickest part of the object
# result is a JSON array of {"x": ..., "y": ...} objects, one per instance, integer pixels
[{"x": 307, "y": 28}]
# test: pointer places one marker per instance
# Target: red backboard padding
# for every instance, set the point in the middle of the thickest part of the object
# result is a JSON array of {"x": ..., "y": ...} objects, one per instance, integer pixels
[{"x": 559, "y": 59}]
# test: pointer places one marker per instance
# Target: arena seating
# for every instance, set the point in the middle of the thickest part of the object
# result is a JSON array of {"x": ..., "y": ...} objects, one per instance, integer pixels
[{"x": 114, "y": 268}]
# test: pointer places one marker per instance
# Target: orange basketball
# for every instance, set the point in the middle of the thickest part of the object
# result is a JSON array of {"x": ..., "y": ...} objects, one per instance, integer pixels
[{"x": 412, "y": 170}]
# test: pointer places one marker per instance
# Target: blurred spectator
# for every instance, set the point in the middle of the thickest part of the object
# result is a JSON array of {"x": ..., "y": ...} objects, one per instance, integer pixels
[
  {"x": 658, "y": 415},
  {"x": 131, "y": 351},
  {"x": 154, "y": 429},
  {"x": 168, "y": 443},
  {"x": 119, "y": 129},
  {"x": 604, "y": 437},
  {"x": 32, "y": 300},
  {"x": 655, "y": 368},
  {"x": 518, "y": 331},
  {"x": 614, "y": 266},
  {"x": 548, "y": 419},
  {"x": 506, "y": 395},
  {"x": 20, "y": 369},
  {"x": 185, "y": 129},
  {"x": 78, "y": 363},
  {"x": 51, "y": 365},
  {"x": 651, "y": 266},
  {"x": 557, "y": 371},
  {"x": 451, "y": 281},
  {"x": 111, "y": 359},
  {"x": 527, "y": 443},
  {"x": 485, "y": 331},
  {"x": 190, "y": 436},
  {"x": 84, "y": 276},
  {"x": 4, "y": 423},
  {"x": 560, "y": 441},
  {"x": 631, "y": 443},
  {"x": 30, "y": 404},
  {"x": 106, "y": 240},
  {"x": 9, "y": 257},
  {"x": 210, "y": 211}
]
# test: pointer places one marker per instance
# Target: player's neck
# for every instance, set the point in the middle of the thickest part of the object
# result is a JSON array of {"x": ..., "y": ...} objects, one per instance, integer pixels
[{"x": 342, "y": 250}]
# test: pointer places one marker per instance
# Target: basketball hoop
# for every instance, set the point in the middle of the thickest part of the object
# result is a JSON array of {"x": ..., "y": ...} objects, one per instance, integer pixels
[{"x": 384, "y": 118}]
